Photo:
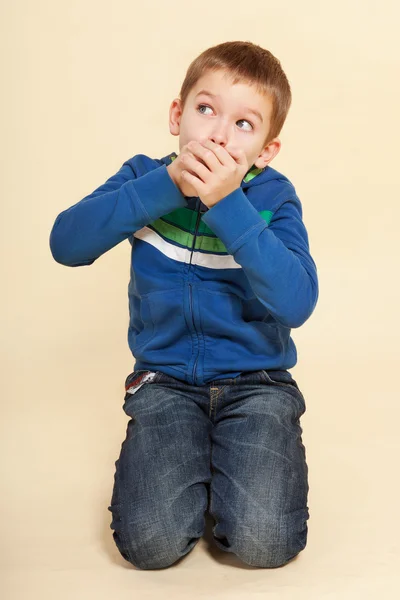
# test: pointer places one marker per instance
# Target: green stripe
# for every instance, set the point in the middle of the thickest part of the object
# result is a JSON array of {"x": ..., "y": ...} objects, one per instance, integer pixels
[
  {"x": 172, "y": 227},
  {"x": 179, "y": 225}
]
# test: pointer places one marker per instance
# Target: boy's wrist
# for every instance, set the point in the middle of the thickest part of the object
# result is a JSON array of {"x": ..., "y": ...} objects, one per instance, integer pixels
[{"x": 172, "y": 173}]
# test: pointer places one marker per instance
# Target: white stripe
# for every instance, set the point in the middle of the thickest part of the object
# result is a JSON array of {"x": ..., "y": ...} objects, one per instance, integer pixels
[{"x": 209, "y": 260}]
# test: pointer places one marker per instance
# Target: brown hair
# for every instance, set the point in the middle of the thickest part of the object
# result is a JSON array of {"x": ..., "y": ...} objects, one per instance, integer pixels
[{"x": 248, "y": 62}]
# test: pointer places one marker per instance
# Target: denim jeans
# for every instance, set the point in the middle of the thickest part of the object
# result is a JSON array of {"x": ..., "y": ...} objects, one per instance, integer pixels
[{"x": 232, "y": 447}]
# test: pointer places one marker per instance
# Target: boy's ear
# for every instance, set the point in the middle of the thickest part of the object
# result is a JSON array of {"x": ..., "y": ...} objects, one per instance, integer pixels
[
  {"x": 268, "y": 153},
  {"x": 175, "y": 112}
]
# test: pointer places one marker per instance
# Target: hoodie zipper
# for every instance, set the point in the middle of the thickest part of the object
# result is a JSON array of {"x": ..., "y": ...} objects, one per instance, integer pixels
[
  {"x": 191, "y": 308},
  {"x": 191, "y": 292},
  {"x": 195, "y": 233}
]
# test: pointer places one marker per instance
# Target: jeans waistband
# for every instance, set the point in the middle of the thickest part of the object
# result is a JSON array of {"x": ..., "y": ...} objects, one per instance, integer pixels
[{"x": 258, "y": 376}]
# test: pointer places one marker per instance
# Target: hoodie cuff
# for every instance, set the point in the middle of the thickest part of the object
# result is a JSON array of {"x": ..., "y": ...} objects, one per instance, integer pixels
[
  {"x": 233, "y": 218},
  {"x": 158, "y": 193}
]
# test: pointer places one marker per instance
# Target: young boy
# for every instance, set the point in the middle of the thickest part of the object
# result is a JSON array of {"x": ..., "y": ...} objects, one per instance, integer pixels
[{"x": 220, "y": 273}]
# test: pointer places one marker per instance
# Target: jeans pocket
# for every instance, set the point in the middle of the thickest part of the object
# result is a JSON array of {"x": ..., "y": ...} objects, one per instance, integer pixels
[
  {"x": 284, "y": 378},
  {"x": 135, "y": 381}
]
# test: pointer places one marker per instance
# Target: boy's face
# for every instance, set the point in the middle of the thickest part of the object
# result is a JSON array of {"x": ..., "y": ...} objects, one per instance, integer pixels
[{"x": 225, "y": 119}]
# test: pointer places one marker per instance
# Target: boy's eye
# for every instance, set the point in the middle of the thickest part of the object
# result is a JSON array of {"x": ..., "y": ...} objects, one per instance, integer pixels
[{"x": 244, "y": 120}]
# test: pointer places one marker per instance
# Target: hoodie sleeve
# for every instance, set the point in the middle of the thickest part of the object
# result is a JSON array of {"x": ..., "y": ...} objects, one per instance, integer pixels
[
  {"x": 275, "y": 257},
  {"x": 111, "y": 213}
]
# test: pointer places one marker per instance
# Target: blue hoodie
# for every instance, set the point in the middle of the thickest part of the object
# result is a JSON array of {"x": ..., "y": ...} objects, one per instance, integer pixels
[{"x": 212, "y": 292}]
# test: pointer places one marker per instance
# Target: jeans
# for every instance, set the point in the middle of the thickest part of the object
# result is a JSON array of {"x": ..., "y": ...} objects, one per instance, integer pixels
[{"x": 232, "y": 447}]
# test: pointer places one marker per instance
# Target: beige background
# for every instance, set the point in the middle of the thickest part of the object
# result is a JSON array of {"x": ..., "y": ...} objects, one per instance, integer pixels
[{"x": 87, "y": 85}]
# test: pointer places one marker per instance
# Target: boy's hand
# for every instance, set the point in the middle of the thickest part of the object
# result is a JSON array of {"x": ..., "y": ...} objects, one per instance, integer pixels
[
  {"x": 175, "y": 171},
  {"x": 213, "y": 171}
]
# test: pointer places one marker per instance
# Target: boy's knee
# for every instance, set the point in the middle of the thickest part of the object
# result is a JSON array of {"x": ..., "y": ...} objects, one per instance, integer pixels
[
  {"x": 155, "y": 553},
  {"x": 148, "y": 542},
  {"x": 275, "y": 548},
  {"x": 269, "y": 557}
]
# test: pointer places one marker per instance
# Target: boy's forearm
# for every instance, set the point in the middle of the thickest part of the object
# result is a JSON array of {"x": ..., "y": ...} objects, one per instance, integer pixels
[
  {"x": 111, "y": 213},
  {"x": 275, "y": 257}
]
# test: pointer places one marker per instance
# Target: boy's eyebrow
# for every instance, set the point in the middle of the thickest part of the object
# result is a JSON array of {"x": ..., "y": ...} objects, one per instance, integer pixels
[{"x": 252, "y": 110}]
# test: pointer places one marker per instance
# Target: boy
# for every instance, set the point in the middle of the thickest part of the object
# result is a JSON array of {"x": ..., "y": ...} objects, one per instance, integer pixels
[{"x": 220, "y": 273}]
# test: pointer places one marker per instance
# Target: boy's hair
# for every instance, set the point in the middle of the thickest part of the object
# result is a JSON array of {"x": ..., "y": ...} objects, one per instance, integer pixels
[{"x": 249, "y": 63}]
